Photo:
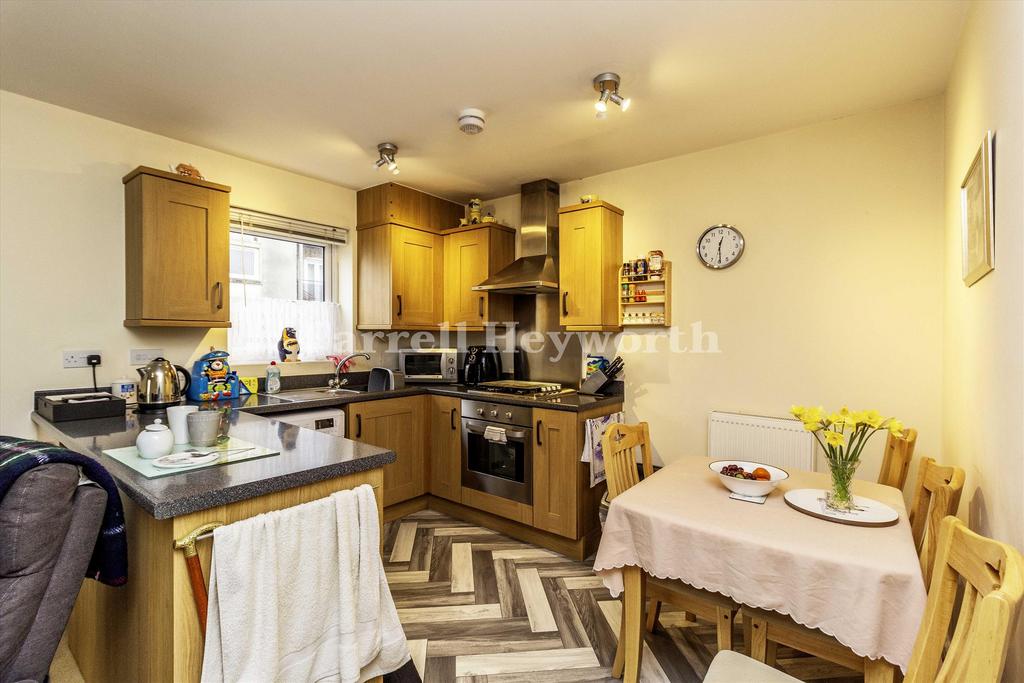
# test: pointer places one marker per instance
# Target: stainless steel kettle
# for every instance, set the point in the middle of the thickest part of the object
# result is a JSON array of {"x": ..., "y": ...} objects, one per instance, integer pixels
[{"x": 159, "y": 386}]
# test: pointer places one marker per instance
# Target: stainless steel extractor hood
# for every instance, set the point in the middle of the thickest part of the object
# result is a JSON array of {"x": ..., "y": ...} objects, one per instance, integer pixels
[{"x": 536, "y": 269}]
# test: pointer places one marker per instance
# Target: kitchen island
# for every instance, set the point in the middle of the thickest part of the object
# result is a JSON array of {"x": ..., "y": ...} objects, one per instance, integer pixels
[{"x": 148, "y": 630}]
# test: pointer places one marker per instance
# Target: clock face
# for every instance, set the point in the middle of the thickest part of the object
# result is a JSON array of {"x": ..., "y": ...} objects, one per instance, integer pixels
[{"x": 720, "y": 246}]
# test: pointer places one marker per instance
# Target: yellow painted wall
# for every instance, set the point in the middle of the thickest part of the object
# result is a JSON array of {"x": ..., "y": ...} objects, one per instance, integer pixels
[
  {"x": 838, "y": 297},
  {"x": 983, "y": 413},
  {"x": 62, "y": 242}
]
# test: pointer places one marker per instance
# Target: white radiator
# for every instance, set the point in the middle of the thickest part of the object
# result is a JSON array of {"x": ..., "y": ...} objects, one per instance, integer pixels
[{"x": 782, "y": 442}]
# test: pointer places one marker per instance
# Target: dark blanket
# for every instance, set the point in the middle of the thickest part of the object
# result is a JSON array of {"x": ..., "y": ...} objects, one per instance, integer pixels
[{"x": 109, "y": 562}]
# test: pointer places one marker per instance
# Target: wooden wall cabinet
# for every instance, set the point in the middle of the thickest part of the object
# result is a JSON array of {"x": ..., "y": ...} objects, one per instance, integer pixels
[
  {"x": 590, "y": 255},
  {"x": 401, "y": 205},
  {"x": 470, "y": 257},
  {"x": 399, "y": 278},
  {"x": 446, "y": 447},
  {"x": 556, "y": 466},
  {"x": 177, "y": 251},
  {"x": 400, "y": 425}
]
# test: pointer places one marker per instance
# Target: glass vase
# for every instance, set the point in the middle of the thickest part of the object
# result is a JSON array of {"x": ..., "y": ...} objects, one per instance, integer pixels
[{"x": 840, "y": 498}]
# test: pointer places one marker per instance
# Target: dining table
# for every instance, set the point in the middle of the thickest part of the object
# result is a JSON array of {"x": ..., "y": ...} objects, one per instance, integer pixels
[{"x": 860, "y": 585}]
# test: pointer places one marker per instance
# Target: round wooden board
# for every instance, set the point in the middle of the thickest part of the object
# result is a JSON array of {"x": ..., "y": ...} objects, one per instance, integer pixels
[{"x": 874, "y": 514}]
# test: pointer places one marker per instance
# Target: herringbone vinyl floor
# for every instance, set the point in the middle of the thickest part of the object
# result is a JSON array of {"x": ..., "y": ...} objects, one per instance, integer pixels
[{"x": 479, "y": 607}]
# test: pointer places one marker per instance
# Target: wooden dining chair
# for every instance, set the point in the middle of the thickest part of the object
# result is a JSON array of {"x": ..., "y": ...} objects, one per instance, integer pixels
[
  {"x": 936, "y": 495},
  {"x": 992, "y": 577},
  {"x": 896, "y": 458},
  {"x": 618, "y": 448}
]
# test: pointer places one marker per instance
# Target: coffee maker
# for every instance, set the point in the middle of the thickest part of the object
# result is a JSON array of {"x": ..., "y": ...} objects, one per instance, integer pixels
[{"x": 481, "y": 365}]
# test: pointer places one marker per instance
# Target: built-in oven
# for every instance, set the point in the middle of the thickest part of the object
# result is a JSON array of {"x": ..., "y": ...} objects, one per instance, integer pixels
[
  {"x": 497, "y": 450},
  {"x": 429, "y": 365}
]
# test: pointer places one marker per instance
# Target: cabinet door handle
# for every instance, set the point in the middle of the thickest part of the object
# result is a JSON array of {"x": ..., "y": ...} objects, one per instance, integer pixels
[
  {"x": 399, "y": 305},
  {"x": 565, "y": 307},
  {"x": 453, "y": 419},
  {"x": 481, "y": 307},
  {"x": 540, "y": 424},
  {"x": 359, "y": 425},
  {"x": 219, "y": 286}
]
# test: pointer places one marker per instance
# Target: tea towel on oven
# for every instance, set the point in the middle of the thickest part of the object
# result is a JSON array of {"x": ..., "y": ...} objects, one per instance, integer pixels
[{"x": 592, "y": 444}]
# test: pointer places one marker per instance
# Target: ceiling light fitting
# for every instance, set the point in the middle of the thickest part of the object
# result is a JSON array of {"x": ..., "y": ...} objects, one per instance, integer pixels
[
  {"x": 387, "y": 153},
  {"x": 607, "y": 84},
  {"x": 471, "y": 121}
]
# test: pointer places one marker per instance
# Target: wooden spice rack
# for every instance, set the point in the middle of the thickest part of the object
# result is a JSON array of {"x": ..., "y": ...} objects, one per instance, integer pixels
[{"x": 658, "y": 299}]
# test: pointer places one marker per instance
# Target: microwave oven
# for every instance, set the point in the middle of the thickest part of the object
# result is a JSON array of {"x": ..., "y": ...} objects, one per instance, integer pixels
[{"x": 429, "y": 365}]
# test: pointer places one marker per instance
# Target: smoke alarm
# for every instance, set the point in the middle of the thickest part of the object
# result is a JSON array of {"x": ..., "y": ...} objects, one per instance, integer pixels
[{"x": 471, "y": 121}]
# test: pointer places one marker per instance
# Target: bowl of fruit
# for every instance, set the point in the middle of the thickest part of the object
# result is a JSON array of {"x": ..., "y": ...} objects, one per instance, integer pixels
[{"x": 748, "y": 478}]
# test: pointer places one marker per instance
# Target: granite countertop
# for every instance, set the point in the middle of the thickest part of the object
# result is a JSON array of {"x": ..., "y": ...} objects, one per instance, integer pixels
[
  {"x": 306, "y": 456},
  {"x": 268, "y": 404}
]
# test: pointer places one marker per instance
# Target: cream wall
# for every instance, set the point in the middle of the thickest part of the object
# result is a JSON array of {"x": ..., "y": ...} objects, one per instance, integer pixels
[
  {"x": 62, "y": 242},
  {"x": 838, "y": 297},
  {"x": 984, "y": 355}
]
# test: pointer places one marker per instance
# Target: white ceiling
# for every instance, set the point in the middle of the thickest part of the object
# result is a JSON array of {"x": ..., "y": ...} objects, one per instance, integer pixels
[{"x": 312, "y": 87}]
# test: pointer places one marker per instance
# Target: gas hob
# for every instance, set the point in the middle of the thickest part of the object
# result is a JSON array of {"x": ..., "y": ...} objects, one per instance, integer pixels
[{"x": 521, "y": 389}]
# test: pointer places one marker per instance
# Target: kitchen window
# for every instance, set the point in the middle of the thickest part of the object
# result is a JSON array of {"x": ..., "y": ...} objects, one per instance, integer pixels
[{"x": 284, "y": 273}]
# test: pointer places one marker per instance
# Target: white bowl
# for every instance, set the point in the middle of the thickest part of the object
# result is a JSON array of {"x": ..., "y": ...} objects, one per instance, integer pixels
[{"x": 749, "y": 487}]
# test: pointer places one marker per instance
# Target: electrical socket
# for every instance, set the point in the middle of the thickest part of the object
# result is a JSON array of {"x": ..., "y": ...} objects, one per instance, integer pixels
[
  {"x": 143, "y": 356},
  {"x": 76, "y": 359}
]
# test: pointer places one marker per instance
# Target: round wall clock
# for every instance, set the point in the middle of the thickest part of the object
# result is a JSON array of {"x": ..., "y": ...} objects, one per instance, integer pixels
[{"x": 720, "y": 246}]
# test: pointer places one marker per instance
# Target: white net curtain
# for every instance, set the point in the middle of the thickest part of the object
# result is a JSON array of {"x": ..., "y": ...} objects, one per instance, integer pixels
[{"x": 257, "y": 325}]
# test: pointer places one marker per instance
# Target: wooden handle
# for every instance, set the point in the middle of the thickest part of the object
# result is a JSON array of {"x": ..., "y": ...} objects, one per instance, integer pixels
[
  {"x": 359, "y": 425},
  {"x": 565, "y": 298},
  {"x": 399, "y": 305},
  {"x": 540, "y": 423},
  {"x": 481, "y": 307},
  {"x": 195, "y": 577},
  {"x": 220, "y": 294},
  {"x": 453, "y": 419}
]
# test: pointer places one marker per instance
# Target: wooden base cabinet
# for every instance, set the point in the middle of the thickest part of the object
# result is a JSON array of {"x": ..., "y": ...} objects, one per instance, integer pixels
[
  {"x": 590, "y": 256},
  {"x": 470, "y": 257},
  {"x": 177, "y": 252},
  {"x": 446, "y": 447},
  {"x": 399, "y": 276},
  {"x": 556, "y": 460},
  {"x": 148, "y": 629},
  {"x": 400, "y": 425}
]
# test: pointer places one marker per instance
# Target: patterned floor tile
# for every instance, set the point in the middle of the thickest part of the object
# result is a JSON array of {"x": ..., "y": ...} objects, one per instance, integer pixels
[{"x": 479, "y": 607}]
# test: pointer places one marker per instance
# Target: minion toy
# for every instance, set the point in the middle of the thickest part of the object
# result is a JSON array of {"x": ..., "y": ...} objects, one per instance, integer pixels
[
  {"x": 288, "y": 346},
  {"x": 213, "y": 379}
]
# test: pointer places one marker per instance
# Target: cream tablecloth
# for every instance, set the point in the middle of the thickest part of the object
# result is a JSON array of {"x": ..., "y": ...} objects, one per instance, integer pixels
[{"x": 861, "y": 585}]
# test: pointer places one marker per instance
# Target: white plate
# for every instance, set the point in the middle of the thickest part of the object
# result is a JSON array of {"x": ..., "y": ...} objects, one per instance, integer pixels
[
  {"x": 181, "y": 460},
  {"x": 867, "y": 513},
  {"x": 749, "y": 487}
]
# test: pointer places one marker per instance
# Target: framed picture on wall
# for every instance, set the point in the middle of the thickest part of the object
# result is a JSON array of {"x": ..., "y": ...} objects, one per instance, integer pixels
[{"x": 976, "y": 209}]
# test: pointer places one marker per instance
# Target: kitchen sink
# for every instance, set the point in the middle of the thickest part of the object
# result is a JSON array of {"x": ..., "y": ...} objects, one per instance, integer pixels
[{"x": 318, "y": 393}]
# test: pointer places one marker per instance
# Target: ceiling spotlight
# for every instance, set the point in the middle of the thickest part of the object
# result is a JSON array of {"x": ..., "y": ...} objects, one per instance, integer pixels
[
  {"x": 608, "y": 85},
  {"x": 387, "y": 153}
]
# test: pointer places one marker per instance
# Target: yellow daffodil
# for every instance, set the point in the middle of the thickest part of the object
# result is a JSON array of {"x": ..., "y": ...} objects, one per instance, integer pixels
[
  {"x": 812, "y": 426},
  {"x": 811, "y": 414},
  {"x": 895, "y": 427},
  {"x": 797, "y": 411},
  {"x": 834, "y": 438},
  {"x": 873, "y": 418}
]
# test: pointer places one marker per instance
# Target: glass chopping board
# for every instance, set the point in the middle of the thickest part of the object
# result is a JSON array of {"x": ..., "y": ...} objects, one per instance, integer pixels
[{"x": 130, "y": 457}]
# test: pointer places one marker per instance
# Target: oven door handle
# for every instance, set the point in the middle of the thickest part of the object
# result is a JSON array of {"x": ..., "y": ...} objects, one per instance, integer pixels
[{"x": 519, "y": 435}]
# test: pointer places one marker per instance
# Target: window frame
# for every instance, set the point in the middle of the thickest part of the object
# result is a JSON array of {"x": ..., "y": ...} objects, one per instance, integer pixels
[{"x": 331, "y": 238}]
